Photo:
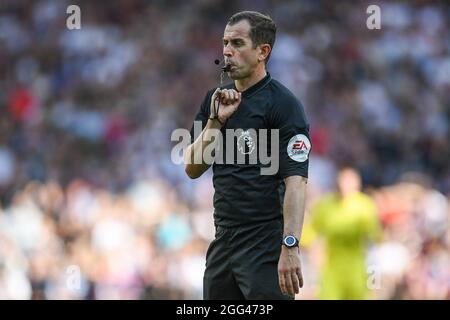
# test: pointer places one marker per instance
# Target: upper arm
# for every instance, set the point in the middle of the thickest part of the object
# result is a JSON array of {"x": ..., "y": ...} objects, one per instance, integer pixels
[
  {"x": 289, "y": 118},
  {"x": 202, "y": 116},
  {"x": 295, "y": 182}
]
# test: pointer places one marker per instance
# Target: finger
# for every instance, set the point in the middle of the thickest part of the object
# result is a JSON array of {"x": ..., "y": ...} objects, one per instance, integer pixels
[
  {"x": 289, "y": 287},
  {"x": 300, "y": 277},
  {"x": 235, "y": 95},
  {"x": 223, "y": 96},
  {"x": 282, "y": 282},
  {"x": 239, "y": 97},
  {"x": 216, "y": 93},
  {"x": 231, "y": 96},
  {"x": 237, "y": 102},
  {"x": 227, "y": 97},
  {"x": 295, "y": 282}
]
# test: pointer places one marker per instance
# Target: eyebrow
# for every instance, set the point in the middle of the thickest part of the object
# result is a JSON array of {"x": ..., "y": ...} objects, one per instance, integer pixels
[{"x": 234, "y": 39}]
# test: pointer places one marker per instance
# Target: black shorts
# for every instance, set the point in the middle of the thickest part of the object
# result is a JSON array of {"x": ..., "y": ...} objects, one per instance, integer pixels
[{"x": 242, "y": 263}]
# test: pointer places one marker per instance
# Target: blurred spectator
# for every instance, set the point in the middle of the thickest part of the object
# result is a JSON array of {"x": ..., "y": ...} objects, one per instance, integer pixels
[{"x": 346, "y": 219}]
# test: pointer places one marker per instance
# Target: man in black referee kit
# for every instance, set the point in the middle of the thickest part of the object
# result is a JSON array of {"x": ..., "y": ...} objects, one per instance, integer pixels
[{"x": 258, "y": 217}]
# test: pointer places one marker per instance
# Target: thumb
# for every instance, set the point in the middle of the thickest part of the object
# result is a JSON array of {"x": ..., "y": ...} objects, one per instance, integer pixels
[{"x": 216, "y": 92}]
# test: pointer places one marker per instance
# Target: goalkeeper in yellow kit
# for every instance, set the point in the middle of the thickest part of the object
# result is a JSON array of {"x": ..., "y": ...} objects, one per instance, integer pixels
[{"x": 346, "y": 220}]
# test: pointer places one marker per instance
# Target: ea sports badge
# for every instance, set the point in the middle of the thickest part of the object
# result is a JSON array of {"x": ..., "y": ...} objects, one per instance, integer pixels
[{"x": 298, "y": 148}]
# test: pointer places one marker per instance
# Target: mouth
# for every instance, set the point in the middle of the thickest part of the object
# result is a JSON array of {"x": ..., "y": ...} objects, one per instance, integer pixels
[{"x": 230, "y": 66}]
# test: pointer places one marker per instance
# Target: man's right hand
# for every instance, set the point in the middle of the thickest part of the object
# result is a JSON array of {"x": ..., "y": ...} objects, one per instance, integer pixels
[{"x": 229, "y": 99}]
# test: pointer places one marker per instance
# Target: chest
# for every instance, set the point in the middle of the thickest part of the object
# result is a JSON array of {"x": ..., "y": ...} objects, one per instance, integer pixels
[{"x": 251, "y": 114}]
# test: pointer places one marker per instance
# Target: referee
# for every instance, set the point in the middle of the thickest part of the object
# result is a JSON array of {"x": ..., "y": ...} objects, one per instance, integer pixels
[{"x": 258, "y": 218}]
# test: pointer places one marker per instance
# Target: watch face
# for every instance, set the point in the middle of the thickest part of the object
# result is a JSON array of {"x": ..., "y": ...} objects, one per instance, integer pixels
[{"x": 290, "y": 241}]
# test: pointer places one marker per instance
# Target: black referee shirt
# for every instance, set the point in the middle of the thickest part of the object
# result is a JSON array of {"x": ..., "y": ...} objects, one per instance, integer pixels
[{"x": 242, "y": 194}]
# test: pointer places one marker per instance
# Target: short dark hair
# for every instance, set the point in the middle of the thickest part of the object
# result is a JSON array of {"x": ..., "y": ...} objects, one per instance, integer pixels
[{"x": 262, "y": 28}]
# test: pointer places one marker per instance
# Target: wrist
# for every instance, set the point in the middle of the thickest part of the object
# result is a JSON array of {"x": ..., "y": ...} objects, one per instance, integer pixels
[
  {"x": 290, "y": 250},
  {"x": 215, "y": 122}
]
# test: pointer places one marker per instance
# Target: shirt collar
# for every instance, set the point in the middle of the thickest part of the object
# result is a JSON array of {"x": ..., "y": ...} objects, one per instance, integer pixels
[{"x": 256, "y": 87}]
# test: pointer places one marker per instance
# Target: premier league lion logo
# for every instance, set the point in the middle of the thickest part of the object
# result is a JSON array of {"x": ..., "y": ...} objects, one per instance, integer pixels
[{"x": 246, "y": 143}]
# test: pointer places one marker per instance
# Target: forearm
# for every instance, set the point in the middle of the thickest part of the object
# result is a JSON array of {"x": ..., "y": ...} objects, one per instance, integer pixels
[
  {"x": 289, "y": 266},
  {"x": 294, "y": 206},
  {"x": 194, "y": 160}
]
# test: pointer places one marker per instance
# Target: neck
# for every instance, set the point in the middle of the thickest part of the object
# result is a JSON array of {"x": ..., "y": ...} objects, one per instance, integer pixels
[
  {"x": 346, "y": 193},
  {"x": 244, "y": 84}
]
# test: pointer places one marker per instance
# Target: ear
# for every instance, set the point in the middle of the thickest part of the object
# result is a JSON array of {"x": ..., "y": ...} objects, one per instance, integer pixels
[{"x": 264, "y": 51}]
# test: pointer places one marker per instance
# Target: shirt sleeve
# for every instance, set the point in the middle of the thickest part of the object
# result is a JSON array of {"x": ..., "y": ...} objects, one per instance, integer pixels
[
  {"x": 288, "y": 116},
  {"x": 202, "y": 115}
]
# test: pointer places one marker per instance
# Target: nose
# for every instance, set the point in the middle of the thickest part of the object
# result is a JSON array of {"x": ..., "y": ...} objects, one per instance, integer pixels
[{"x": 227, "y": 50}]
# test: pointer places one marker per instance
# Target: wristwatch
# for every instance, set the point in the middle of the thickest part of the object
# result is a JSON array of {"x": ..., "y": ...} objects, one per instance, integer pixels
[{"x": 290, "y": 241}]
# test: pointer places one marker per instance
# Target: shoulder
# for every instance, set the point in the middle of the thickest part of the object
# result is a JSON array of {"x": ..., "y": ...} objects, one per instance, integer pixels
[
  {"x": 326, "y": 201},
  {"x": 324, "y": 206},
  {"x": 281, "y": 95},
  {"x": 365, "y": 200},
  {"x": 284, "y": 104}
]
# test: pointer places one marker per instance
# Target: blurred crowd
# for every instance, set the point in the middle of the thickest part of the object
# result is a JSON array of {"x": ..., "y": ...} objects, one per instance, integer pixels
[{"x": 91, "y": 205}]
